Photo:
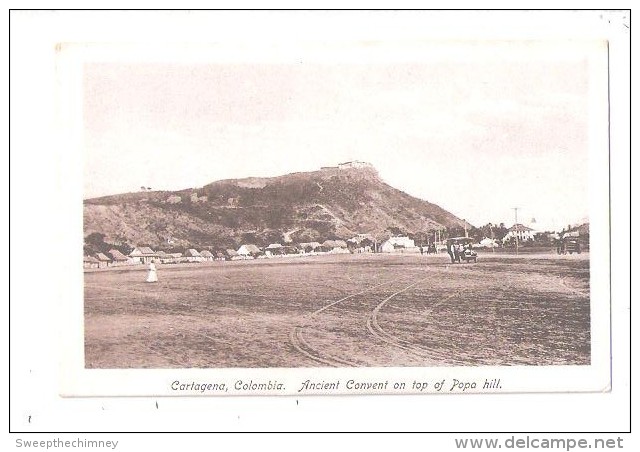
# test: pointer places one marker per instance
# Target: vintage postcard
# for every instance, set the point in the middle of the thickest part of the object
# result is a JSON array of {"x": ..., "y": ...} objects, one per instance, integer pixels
[{"x": 334, "y": 217}]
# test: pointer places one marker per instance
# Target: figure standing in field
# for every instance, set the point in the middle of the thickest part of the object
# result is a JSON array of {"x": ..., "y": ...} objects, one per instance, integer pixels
[
  {"x": 457, "y": 251},
  {"x": 153, "y": 274},
  {"x": 451, "y": 249}
]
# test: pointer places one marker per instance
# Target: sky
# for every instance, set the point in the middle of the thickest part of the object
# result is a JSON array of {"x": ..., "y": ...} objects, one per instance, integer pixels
[{"x": 477, "y": 136}]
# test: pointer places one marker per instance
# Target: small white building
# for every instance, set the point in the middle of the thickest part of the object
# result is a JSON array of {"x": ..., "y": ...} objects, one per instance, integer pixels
[
  {"x": 118, "y": 258},
  {"x": 207, "y": 255},
  {"x": 387, "y": 247},
  {"x": 399, "y": 244},
  {"x": 335, "y": 244},
  {"x": 170, "y": 258},
  {"x": 274, "y": 249},
  {"x": 308, "y": 247},
  {"x": 248, "y": 250},
  {"x": 90, "y": 262},
  {"x": 192, "y": 255},
  {"x": 520, "y": 231},
  {"x": 103, "y": 259},
  {"x": 176, "y": 257},
  {"x": 142, "y": 255}
]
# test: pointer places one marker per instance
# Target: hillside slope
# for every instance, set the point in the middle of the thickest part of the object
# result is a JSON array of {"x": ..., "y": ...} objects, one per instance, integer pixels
[{"x": 299, "y": 207}]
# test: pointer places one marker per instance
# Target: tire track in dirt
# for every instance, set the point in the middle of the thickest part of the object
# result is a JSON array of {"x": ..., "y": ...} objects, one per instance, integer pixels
[
  {"x": 301, "y": 345},
  {"x": 376, "y": 330},
  {"x": 298, "y": 342},
  {"x": 578, "y": 292}
]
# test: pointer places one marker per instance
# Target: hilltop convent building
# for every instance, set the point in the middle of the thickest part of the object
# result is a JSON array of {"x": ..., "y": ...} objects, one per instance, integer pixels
[{"x": 354, "y": 164}]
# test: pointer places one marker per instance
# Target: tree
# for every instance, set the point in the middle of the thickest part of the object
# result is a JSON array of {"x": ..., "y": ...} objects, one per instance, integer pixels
[
  {"x": 269, "y": 236},
  {"x": 94, "y": 243},
  {"x": 95, "y": 238},
  {"x": 457, "y": 231},
  {"x": 366, "y": 242},
  {"x": 420, "y": 238},
  {"x": 249, "y": 237},
  {"x": 124, "y": 248},
  {"x": 500, "y": 232},
  {"x": 396, "y": 231}
]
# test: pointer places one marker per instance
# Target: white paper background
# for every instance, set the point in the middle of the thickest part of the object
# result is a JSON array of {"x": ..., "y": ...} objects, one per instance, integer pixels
[{"x": 46, "y": 186}]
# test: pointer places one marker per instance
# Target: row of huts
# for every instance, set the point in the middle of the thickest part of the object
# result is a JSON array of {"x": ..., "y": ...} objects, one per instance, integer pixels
[
  {"x": 145, "y": 255},
  {"x": 362, "y": 243}
]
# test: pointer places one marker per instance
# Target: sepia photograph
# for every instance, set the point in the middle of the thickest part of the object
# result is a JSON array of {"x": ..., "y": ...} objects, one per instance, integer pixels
[{"x": 389, "y": 213}]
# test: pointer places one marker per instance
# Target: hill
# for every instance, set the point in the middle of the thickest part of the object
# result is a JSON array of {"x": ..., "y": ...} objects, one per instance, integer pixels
[{"x": 301, "y": 207}]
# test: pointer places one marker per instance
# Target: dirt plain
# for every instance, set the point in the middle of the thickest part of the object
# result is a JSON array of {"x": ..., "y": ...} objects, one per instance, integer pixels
[{"x": 343, "y": 311}]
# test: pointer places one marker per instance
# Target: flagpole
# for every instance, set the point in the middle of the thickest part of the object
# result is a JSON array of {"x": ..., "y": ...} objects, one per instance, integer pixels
[{"x": 516, "y": 228}]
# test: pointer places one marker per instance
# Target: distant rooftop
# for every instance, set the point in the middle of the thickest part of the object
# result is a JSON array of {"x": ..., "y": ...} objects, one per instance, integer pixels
[{"x": 520, "y": 228}]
